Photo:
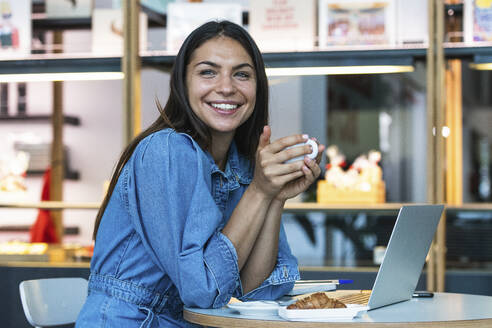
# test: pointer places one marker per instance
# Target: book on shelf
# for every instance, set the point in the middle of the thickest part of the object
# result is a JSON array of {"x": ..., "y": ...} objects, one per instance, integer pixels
[
  {"x": 477, "y": 20},
  {"x": 68, "y": 9},
  {"x": 107, "y": 31},
  {"x": 285, "y": 25},
  {"x": 15, "y": 28},
  {"x": 183, "y": 18},
  {"x": 482, "y": 20},
  {"x": 359, "y": 22}
]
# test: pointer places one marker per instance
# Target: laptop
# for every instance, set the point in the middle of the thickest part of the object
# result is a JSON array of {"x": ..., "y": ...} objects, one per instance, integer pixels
[{"x": 405, "y": 256}]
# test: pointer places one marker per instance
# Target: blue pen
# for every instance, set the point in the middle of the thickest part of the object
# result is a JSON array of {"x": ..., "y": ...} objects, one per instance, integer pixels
[{"x": 338, "y": 281}]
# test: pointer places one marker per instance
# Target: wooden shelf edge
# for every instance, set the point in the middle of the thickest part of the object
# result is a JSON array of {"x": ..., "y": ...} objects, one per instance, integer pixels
[
  {"x": 311, "y": 206},
  {"x": 289, "y": 207},
  {"x": 471, "y": 206},
  {"x": 67, "y": 119},
  {"x": 40, "y": 264},
  {"x": 69, "y": 175},
  {"x": 52, "y": 205}
]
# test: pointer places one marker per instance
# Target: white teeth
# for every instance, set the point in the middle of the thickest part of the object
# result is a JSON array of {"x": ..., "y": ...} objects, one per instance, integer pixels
[{"x": 225, "y": 106}]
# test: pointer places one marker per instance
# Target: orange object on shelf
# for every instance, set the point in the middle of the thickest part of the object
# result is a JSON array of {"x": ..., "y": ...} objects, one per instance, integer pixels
[{"x": 329, "y": 194}]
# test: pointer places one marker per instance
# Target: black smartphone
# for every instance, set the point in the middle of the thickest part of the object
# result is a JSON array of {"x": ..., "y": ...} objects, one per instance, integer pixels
[{"x": 422, "y": 294}]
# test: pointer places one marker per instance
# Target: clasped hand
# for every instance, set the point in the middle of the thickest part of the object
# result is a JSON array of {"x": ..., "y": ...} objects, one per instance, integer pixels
[{"x": 280, "y": 180}]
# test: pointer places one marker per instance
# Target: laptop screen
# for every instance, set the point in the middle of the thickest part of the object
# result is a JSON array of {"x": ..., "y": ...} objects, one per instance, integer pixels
[{"x": 405, "y": 254}]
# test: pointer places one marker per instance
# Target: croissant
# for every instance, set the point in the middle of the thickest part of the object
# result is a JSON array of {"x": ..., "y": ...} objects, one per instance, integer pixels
[{"x": 316, "y": 301}]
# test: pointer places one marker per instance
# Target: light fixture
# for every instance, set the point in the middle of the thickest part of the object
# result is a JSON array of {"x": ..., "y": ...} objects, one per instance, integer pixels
[
  {"x": 61, "y": 76},
  {"x": 342, "y": 62},
  {"x": 338, "y": 70},
  {"x": 481, "y": 62},
  {"x": 481, "y": 66}
]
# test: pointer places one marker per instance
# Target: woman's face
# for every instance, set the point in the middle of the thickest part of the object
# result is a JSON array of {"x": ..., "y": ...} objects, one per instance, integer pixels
[{"x": 221, "y": 83}]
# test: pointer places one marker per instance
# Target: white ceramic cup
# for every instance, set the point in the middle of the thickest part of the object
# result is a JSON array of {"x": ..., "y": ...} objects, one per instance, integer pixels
[{"x": 312, "y": 155}]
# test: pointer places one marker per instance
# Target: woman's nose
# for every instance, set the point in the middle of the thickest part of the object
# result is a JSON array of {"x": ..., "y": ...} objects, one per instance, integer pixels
[{"x": 226, "y": 85}]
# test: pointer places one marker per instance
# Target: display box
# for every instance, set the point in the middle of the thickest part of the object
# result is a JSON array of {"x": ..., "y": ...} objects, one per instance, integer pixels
[
  {"x": 183, "y": 18},
  {"x": 411, "y": 22},
  {"x": 107, "y": 32},
  {"x": 68, "y": 9},
  {"x": 15, "y": 28},
  {"x": 283, "y": 25},
  {"x": 328, "y": 194},
  {"x": 356, "y": 22},
  {"x": 478, "y": 20}
]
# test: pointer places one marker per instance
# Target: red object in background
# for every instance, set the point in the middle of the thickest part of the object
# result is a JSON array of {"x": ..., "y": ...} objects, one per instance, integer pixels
[{"x": 43, "y": 230}]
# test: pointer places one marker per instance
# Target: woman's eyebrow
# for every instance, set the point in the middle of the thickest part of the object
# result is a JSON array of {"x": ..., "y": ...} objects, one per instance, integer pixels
[
  {"x": 209, "y": 63},
  {"x": 206, "y": 62},
  {"x": 243, "y": 65}
]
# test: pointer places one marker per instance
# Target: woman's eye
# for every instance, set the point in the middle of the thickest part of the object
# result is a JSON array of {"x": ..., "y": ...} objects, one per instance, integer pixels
[
  {"x": 243, "y": 75},
  {"x": 207, "y": 72}
]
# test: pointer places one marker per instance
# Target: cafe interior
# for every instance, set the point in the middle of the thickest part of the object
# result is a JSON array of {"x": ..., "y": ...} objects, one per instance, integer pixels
[{"x": 398, "y": 91}]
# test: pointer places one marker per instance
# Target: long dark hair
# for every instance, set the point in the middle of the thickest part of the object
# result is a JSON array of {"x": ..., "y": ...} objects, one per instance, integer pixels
[{"x": 177, "y": 113}]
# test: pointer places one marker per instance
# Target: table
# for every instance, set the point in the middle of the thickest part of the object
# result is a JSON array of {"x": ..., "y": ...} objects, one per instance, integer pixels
[{"x": 443, "y": 310}]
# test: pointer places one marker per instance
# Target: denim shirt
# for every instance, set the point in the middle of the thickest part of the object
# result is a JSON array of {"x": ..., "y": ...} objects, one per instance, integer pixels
[{"x": 159, "y": 245}]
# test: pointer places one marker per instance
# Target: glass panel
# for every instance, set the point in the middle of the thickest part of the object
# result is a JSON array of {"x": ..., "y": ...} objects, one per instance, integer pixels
[
  {"x": 385, "y": 112},
  {"x": 468, "y": 231},
  {"x": 468, "y": 239},
  {"x": 477, "y": 134},
  {"x": 347, "y": 238}
]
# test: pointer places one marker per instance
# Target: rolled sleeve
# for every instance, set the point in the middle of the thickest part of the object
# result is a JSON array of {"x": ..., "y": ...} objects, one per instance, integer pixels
[{"x": 226, "y": 257}]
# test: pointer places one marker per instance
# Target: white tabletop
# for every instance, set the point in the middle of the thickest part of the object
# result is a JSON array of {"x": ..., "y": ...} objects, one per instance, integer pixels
[{"x": 453, "y": 310}]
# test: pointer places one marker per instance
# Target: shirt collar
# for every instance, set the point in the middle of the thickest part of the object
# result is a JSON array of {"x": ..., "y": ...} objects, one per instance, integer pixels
[{"x": 238, "y": 167}]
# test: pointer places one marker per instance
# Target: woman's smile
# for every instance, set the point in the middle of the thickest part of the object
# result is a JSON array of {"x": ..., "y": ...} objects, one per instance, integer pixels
[{"x": 226, "y": 107}]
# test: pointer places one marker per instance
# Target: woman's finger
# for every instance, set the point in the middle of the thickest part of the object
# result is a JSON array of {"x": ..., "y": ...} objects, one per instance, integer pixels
[
  {"x": 293, "y": 153},
  {"x": 283, "y": 169},
  {"x": 308, "y": 173},
  {"x": 283, "y": 179},
  {"x": 282, "y": 143},
  {"x": 313, "y": 167}
]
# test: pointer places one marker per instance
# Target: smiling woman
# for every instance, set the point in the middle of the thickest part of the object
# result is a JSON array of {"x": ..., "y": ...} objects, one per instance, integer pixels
[{"x": 193, "y": 212}]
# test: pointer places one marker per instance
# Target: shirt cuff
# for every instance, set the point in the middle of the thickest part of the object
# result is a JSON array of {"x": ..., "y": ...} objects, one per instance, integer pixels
[
  {"x": 280, "y": 282},
  {"x": 224, "y": 267}
]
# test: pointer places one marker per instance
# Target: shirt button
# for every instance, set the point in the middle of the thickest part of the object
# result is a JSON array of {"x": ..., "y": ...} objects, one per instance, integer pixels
[{"x": 285, "y": 272}]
